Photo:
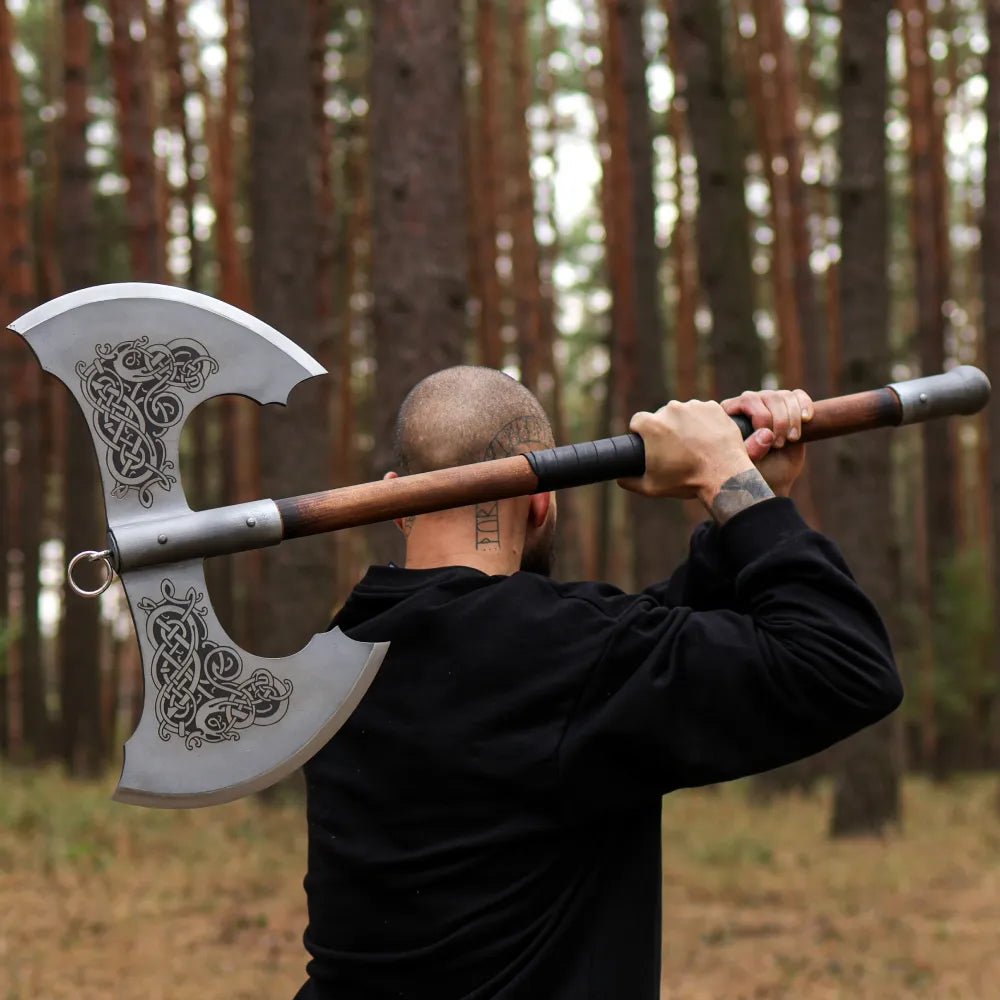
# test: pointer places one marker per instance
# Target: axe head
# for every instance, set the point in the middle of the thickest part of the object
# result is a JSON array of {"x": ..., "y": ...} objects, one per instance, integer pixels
[{"x": 217, "y": 722}]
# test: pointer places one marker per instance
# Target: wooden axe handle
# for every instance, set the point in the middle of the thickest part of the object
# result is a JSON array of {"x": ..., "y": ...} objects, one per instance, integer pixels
[{"x": 599, "y": 461}]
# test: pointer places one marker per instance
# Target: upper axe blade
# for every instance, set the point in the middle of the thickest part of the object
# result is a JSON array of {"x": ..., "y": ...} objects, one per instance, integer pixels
[{"x": 217, "y": 722}]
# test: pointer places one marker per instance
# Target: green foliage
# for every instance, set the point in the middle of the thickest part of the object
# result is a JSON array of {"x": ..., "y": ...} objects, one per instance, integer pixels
[
  {"x": 7, "y": 636},
  {"x": 964, "y": 633}
]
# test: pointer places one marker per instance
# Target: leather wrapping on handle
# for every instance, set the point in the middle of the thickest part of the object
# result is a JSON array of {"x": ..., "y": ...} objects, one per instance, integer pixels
[
  {"x": 598, "y": 461},
  {"x": 591, "y": 462}
]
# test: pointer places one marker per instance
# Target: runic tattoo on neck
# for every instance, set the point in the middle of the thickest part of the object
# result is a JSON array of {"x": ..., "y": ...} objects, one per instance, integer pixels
[
  {"x": 738, "y": 493},
  {"x": 525, "y": 433},
  {"x": 488, "y": 526}
]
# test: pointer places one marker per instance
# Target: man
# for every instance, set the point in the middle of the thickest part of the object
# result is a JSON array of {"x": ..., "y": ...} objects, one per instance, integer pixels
[{"x": 487, "y": 824}]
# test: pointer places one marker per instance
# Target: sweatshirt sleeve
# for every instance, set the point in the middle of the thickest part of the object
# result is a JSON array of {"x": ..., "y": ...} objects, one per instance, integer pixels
[
  {"x": 682, "y": 697},
  {"x": 701, "y": 583}
]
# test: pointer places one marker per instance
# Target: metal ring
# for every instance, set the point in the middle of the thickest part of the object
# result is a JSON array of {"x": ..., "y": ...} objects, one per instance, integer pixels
[{"x": 91, "y": 557}]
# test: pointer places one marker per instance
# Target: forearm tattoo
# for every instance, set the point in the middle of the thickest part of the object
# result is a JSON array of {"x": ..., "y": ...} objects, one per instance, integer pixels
[
  {"x": 738, "y": 493},
  {"x": 526, "y": 433}
]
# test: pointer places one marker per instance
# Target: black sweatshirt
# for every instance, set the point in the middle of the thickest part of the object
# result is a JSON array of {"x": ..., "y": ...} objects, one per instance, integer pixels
[{"x": 487, "y": 823}]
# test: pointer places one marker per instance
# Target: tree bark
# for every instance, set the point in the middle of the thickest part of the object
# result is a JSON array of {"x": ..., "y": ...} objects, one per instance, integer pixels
[
  {"x": 420, "y": 251},
  {"x": 488, "y": 134},
  {"x": 131, "y": 64},
  {"x": 704, "y": 82},
  {"x": 991, "y": 289},
  {"x": 867, "y": 767},
  {"x": 931, "y": 283},
  {"x": 526, "y": 257},
  {"x": 656, "y": 528},
  {"x": 84, "y": 748},
  {"x": 295, "y": 445},
  {"x": 176, "y": 35},
  {"x": 17, "y": 275}
]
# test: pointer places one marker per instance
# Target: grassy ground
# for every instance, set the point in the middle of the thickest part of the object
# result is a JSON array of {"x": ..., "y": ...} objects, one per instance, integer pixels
[{"x": 104, "y": 901}]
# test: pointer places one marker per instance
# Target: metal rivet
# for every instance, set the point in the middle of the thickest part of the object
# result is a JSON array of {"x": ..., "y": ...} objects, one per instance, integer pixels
[
  {"x": 923, "y": 397},
  {"x": 251, "y": 522},
  {"x": 162, "y": 539}
]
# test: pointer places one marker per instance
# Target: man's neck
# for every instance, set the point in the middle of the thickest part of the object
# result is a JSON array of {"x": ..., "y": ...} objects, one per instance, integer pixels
[{"x": 431, "y": 549}]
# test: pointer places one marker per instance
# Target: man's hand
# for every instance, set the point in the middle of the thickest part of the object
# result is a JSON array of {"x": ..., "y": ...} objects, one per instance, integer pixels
[
  {"x": 693, "y": 450},
  {"x": 777, "y": 417}
]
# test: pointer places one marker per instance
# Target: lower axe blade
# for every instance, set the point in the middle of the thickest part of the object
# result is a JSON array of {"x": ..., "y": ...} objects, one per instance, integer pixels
[{"x": 217, "y": 722}]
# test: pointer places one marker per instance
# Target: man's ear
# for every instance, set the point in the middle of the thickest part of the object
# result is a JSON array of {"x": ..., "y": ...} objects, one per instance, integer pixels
[
  {"x": 538, "y": 509},
  {"x": 399, "y": 521}
]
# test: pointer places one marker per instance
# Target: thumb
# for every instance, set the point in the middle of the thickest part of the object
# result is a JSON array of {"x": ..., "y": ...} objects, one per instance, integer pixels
[{"x": 759, "y": 443}]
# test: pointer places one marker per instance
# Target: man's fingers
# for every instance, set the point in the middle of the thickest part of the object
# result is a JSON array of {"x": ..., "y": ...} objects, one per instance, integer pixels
[
  {"x": 784, "y": 411},
  {"x": 640, "y": 420},
  {"x": 805, "y": 403},
  {"x": 750, "y": 404},
  {"x": 759, "y": 444},
  {"x": 794, "y": 415},
  {"x": 780, "y": 417}
]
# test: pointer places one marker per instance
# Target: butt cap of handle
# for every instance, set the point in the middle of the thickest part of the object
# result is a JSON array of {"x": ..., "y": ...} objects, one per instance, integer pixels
[{"x": 963, "y": 390}]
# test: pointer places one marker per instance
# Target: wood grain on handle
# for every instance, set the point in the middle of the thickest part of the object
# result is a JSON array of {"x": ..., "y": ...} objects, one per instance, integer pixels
[
  {"x": 862, "y": 411},
  {"x": 463, "y": 485},
  {"x": 386, "y": 499}
]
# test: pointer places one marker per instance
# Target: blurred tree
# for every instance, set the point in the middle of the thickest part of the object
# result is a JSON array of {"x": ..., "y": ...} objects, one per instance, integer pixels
[
  {"x": 420, "y": 251},
  {"x": 528, "y": 312},
  {"x": 176, "y": 36},
  {"x": 132, "y": 70},
  {"x": 485, "y": 195},
  {"x": 655, "y": 529},
  {"x": 83, "y": 746},
  {"x": 867, "y": 768},
  {"x": 929, "y": 227},
  {"x": 295, "y": 445},
  {"x": 16, "y": 265},
  {"x": 991, "y": 294},
  {"x": 723, "y": 264},
  {"x": 683, "y": 247}
]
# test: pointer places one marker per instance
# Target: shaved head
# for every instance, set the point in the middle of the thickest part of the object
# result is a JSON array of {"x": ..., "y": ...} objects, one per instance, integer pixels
[{"x": 466, "y": 414}]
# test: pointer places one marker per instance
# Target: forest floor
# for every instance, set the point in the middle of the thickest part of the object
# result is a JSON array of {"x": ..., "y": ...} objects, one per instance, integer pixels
[{"x": 102, "y": 901}]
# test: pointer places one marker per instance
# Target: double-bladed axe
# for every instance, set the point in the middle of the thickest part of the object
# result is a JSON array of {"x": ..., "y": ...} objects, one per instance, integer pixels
[{"x": 217, "y": 721}]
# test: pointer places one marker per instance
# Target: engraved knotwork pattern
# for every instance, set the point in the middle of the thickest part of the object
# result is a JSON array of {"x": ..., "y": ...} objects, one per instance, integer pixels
[
  {"x": 132, "y": 388},
  {"x": 200, "y": 695}
]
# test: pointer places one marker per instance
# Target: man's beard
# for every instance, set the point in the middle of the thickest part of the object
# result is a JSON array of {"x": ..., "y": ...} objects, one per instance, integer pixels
[{"x": 541, "y": 555}]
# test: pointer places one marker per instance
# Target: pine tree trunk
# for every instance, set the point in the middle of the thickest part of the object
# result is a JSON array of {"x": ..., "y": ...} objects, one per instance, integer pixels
[
  {"x": 175, "y": 34},
  {"x": 806, "y": 358},
  {"x": 17, "y": 275},
  {"x": 991, "y": 289},
  {"x": 131, "y": 63},
  {"x": 486, "y": 197},
  {"x": 82, "y": 743},
  {"x": 931, "y": 282},
  {"x": 295, "y": 445},
  {"x": 420, "y": 263},
  {"x": 867, "y": 767},
  {"x": 655, "y": 527},
  {"x": 526, "y": 258},
  {"x": 763, "y": 98},
  {"x": 704, "y": 81}
]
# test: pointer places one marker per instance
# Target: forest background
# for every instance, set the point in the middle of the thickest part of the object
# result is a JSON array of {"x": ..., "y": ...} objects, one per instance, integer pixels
[{"x": 618, "y": 202}]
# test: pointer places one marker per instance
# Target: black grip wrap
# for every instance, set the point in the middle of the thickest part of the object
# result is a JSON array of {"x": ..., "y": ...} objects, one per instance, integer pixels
[
  {"x": 591, "y": 462},
  {"x": 598, "y": 461},
  {"x": 743, "y": 422}
]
